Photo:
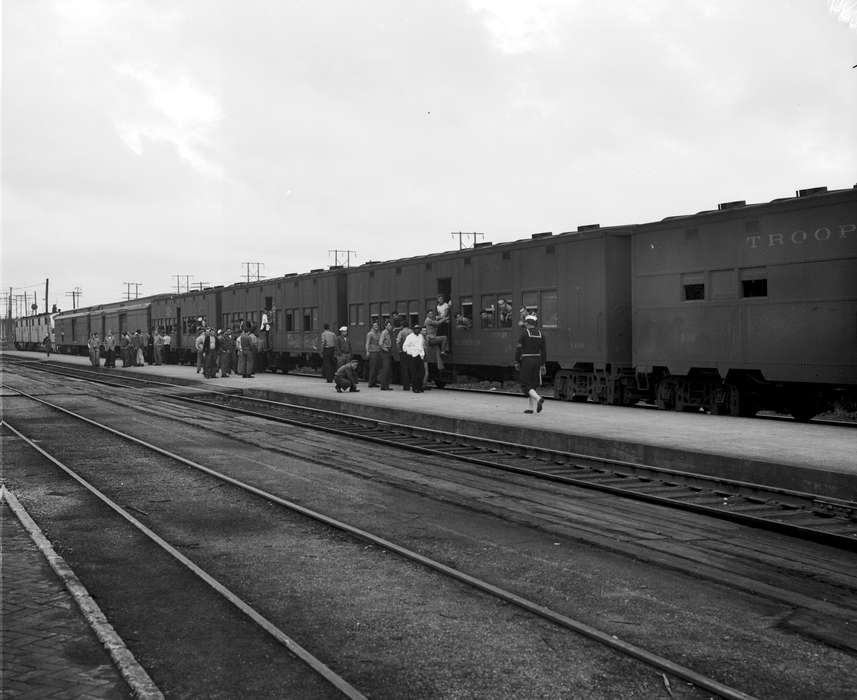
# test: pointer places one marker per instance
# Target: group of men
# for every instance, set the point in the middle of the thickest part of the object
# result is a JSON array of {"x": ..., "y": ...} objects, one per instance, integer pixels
[
  {"x": 127, "y": 347},
  {"x": 221, "y": 351}
]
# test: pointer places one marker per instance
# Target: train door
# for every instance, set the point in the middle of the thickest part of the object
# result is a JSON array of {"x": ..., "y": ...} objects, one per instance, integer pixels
[
  {"x": 123, "y": 323},
  {"x": 176, "y": 337},
  {"x": 444, "y": 289}
]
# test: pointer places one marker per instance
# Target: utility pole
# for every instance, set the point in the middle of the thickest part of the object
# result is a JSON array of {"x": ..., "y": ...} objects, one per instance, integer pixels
[
  {"x": 248, "y": 265},
  {"x": 461, "y": 236},
  {"x": 201, "y": 285},
  {"x": 136, "y": 286},
  {"x": 346, "y": 253},
  {"x": 47, "y": 283},
  {"x": 186, "y": 279},
  {"x": 74, "y": 294}
]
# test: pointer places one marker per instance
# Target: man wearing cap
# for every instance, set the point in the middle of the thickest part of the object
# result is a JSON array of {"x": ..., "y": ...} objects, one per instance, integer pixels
[
  {"x": 227, "y": 351},
  {"x": 343, "y": 347},
  {"x": 328, "y": 353},
  {"x": 530, "y": 359},
  {"x": 346, "y": 377}
]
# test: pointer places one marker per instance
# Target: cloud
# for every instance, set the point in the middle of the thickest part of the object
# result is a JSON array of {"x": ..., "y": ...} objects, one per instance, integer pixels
[
  {"x": 845, "y": 11},
  {"x": 184, "y": 115}
]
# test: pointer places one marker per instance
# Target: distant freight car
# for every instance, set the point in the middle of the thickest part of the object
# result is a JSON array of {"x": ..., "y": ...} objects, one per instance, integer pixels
[
  {"x": 749, "y": 307},
  {"x": 29, "y": 332}
]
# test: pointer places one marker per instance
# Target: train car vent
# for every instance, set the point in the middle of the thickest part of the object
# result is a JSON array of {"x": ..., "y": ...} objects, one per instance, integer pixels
[
  {"x": 399, "y": 270},
  {"x": 507, "y": 255},
  {"x": 588, "y": 227},
  {"x": 428, "y": 266},
  {"x": 732, "y": 205},
  {"x": 371, "y": 273},
  {"x": 467, "y": 261},
  {"x": 810, "y": 191},
  {"x": 550, "y": 249},
  {"x": 318, "y": 269},
  {"x": 485, "y": 244},
  {"x": 751, "y": 226},
  {"x": 546, "y": 234}
]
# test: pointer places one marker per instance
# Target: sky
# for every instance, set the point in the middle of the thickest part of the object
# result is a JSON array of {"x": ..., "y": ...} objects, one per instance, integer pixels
[{"x": 144, "y": 139}]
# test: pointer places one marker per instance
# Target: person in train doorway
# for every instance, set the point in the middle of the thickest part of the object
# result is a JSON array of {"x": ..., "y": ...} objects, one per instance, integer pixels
[
  {"x": 94, "y": 345},
  {"x": 386, "y": 344},
  {"x": 343, "y": 347},
  {"x": 434, "y": 342},
  {"x": 167, "y": 346},
  {"x": 442, "y": 315},
  {"x": 346, "y": 378},
  {"x": 48, "y": 345},
  {"x": 530, "y": 360},
  {"x": 414, "y": 349},
  {"x": 109, "y": 349},
  {"x": 328, "y": 353},
  {"x": 373, "y": 354}
]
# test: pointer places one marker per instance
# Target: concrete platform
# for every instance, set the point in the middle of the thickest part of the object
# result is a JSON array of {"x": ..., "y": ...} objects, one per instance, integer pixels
[{"x": 808, "y": 457}]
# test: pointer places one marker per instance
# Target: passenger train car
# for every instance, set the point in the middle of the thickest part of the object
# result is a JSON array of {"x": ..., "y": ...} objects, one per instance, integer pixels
[
  {"x": 29, "y": 332},
  {"x": 733, "y": 310}
]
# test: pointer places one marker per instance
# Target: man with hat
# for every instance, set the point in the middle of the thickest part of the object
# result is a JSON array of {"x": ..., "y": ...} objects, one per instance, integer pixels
[
  {"x": 530, "y": 360},
  {"x": 343, "y": 347}
]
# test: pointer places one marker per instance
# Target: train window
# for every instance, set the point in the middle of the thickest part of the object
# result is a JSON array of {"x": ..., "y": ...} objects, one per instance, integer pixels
[
  {"x": 414, "y": 313},
  {"x": 291, "y": 315},
  {"x": 269, "y": 302},
  {"x": 310, "y": 318},
  {"x": 549, "y": 309},
  {"x": 355, "y": 313},
  {"x": 464, "y": 318},
  {"x": 529, "y": 305},
  {"x": 488, "y": 311},
  {"x": 754, "y": 282},
  {"x": 505, "y": 311},
  {"x": 374, "y": 311},
  {"x": 385, "y": 311},
  {"x": 693, "y": 286}
]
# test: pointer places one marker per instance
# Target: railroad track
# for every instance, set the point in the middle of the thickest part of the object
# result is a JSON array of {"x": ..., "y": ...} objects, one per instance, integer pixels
[
  {"x": 362, "y": 536},
  {"x": 797, "y": 514}
]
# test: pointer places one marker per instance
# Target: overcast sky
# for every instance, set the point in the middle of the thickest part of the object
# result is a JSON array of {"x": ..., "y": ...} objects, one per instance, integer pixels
[{"x": 146, "y": 139}]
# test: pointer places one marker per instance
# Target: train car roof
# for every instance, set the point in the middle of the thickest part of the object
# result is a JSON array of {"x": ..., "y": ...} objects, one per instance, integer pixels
[
  {"x": 725, "y": 208},
  {"x": 582, "y": 232}
]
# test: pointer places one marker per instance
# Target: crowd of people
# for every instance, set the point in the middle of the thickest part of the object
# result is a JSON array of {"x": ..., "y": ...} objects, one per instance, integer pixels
[{"x": 395, "y": 352}]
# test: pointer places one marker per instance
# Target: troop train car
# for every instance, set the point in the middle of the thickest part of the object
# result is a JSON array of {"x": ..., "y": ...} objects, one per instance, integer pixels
[
  {"x": 749, "y": 306},
  {"x": 29, "y": 332},
  {"x": 734, "y": 310}
]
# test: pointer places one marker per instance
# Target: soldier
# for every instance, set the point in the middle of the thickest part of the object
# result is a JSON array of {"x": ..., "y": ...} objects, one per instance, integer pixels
[{"x": 530, "y": 359}]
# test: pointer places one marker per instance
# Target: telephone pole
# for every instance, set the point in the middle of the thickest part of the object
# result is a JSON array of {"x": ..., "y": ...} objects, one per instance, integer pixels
[
  {"x": 201, "y": 285},
  {"x": 136, "y": 286},
  {"x": 346, "y": 253},
  {"x": 186, "y": 279},
  {"x": 256, "y": 265},
  {"x": 462, "y": 235},
  {"x": 74, "y": 294}
]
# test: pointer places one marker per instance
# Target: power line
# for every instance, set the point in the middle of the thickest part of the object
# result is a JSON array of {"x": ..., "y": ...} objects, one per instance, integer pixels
[
  {"x": 74, "y": 294},
  {"x": 257, "y": 265},
  {"x": 136, "y": 286},
  {"x": 462, "y": 235},
  {"x": 186, "y": 279},
  {"x": 346, "y": 253}
]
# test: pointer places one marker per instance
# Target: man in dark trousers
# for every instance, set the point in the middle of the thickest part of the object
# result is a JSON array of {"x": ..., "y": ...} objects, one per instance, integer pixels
[
  {"x": 530, "y": 359},
  {"x": 346, "y": 377},
  {"x": 328, "y": 353}
]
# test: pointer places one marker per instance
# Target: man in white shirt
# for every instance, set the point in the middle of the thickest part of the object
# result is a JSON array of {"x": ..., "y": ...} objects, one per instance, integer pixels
[{"x": 414, "y": 349}]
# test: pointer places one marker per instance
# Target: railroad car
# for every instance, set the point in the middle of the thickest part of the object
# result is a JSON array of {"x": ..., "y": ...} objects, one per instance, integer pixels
[
  {"x": 73, "y": 328},
  {"x": 183, "y": 316},
  {"x": 578, "y": 283},
  {"x": 749, "y": 307},
  {"x": 29, "y": 332}
]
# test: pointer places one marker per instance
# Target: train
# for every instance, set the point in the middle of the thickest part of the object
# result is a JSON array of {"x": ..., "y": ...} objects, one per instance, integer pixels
[
  {"x": 29, "y": 332},
  {"x": 733, "y": 310}
]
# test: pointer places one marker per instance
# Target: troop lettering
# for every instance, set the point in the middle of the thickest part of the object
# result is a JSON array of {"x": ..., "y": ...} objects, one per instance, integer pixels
[{"x": 825, "y": 233}]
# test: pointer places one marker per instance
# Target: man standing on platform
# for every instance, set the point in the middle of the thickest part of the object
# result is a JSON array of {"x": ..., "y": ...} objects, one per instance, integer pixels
[
  {"x": 530, "y": 360},
  {"x": 328, "y": 353}
]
